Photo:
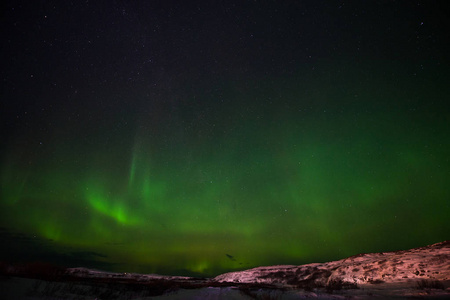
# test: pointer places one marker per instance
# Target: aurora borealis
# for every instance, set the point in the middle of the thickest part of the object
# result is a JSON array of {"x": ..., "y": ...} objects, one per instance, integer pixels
[{"x": 184, "y": 138}]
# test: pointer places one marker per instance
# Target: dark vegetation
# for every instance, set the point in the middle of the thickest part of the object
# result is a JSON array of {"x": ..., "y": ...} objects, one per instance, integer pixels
[
  {"x": 99, "y": 291},
  {"x": 440, "y": 258},
  {"x": 430, "y": 284},
  {"x": 40, "y": 270},
  {"x": 338, "y": 284},
  {"x": 310, "y": 279},
  {"x": 376, "y": 281},
  {"x": 255, "y": 294}
]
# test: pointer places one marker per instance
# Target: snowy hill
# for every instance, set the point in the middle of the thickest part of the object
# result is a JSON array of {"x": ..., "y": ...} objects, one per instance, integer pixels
[
  {"x": 422, "y": 272},
  {"x": 425, "y": 263}
]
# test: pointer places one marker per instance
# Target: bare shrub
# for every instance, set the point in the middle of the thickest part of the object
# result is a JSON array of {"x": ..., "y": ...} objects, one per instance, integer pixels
[
  {"x": 430, "y": 284},
  {"x": 339, "y": 284}
]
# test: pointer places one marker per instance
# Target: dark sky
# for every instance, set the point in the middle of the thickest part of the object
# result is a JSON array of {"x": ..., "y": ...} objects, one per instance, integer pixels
[{"x": 198, "y": 137}]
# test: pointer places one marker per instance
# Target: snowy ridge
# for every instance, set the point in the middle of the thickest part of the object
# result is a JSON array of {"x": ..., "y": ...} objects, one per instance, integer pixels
[
  {"x": 425, "y": 263},
  {"x": 92, "y": 273}
]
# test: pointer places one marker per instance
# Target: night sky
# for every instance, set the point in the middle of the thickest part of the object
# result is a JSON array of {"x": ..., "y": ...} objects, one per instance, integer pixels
[{"x": 199, "y": 137}]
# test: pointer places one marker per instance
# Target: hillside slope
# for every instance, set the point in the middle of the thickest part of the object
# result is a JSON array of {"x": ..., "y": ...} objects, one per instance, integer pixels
[{"x": 431, "y": 263}]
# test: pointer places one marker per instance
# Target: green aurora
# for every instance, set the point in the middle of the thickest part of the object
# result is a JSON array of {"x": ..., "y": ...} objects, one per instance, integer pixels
[{"x": 323, "y": 176}]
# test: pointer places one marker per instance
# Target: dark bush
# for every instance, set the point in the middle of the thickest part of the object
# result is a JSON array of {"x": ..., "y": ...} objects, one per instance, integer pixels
[
  {"x": 376, "y": 281},
  {"x": 430, "y": 284},
  {"x": 339, "y": 284}
]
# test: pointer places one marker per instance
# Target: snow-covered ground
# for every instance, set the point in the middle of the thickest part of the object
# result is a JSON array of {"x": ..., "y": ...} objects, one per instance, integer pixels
[{"x": 422, "y": 272}]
